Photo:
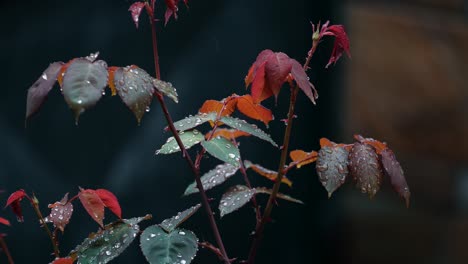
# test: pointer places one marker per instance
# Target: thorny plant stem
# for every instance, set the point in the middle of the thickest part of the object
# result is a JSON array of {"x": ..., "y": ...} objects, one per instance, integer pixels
[
  {"x": 35, "y": 205},
  {"x": 4, "y": 247},
  {"x": 284, "y": 153},
  {"x": 186, "y": 155}
]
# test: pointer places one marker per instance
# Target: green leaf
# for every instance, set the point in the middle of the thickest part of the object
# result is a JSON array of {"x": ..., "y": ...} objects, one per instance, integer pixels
[
  {"x": 166, "y": 88},
  {"x": 223, "y": 149},
  {"x": 177, "y": 247},
  {"x": 170, "y": 224},
  {"x": 242, "y": 125},
  {"x": 83, "y": 84},
  {"x": 213, "y": 178},
  {"x": 189, "y": 139},
  {"x": 236, "y": 197},
  {"x": 108, "y": 243},
  {"x": 194, "y": 121},
  {"x": 332, "y": 167},
  {"x": 134, "y": 86},
  {"x": 278, "y": 195}
]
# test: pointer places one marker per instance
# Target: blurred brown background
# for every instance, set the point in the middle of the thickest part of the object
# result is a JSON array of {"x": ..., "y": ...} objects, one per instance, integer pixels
[{"x": 406, "y": 84}]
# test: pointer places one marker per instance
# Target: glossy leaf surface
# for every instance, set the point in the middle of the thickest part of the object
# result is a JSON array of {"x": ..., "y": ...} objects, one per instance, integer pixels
[
  {"x": 236, "y": 197},
  {"x": 332, "y": 167},
  {"x": 242, "y": 125},
  {"x": 188, "y": 138},
  {"x": 213, "y": 178},
  {"x": 171, "y": 223},
  {"x": 223, "y": 150}
]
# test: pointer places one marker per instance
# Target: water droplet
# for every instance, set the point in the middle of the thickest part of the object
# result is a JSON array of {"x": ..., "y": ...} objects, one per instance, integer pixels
[
  {"x": 183, "y": 261},
  {"x": 44, "y": 76},
  {"x": 108, "y": 253},
  {"x": 182, "y": 233},
  {"x": 152, "y": 235},
  {"x": 147, "y": 109},
  {"x": 80, "y": 101},
  {"x": 231, "y": 155}
]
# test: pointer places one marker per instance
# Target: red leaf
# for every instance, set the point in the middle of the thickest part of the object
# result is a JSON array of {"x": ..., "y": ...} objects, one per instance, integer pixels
[
  {"x": 135, "y": 9},
  {"x": 303, "y": 158},
  {"x": 300, "y": 76},
  {"x": 246, "y": 105},
  {"x": 277, "y": 68},
  {"x": 261, "y": 58},
  {"x": 341, "y": 43},
  {"x": 259, "y": 89},
  {"x": 269, "y": 174},
  {"x": 14, "y": 202},
  {"x": 393, "y": 169},
  {"x": 216, "y": 106},
  {"x": 171, "y": 10},
  {"x": 325, "y": 142},
  {"x": 365, "y": 168},
  {"x": 93, "y": 204},
  {"x": 111, "y": 81},
  {"x": 379, "y": 146},
  {"x": 61, "y": 213},
  {"x": 67, "y": 260},
  {"x": 4, "y": 221},
  {"x": 110, "y": 201}
]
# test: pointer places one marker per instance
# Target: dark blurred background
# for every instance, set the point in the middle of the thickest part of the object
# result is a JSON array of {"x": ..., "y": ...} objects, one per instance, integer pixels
[{"x": 406, "y": 85}]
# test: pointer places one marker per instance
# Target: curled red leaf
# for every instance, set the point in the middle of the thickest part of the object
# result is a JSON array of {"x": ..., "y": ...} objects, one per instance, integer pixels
[
  {"x": 135, "y": 10},
  {"x": 14, "y": 202},
  {"x": 93, "y": 204},
  {"x": 110, "y": 201},
  {"x": 341, "y": 44}
]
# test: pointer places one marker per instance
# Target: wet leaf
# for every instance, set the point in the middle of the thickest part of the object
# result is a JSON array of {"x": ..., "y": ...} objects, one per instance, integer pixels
[
  {"x": 332, "y": 167},
  {"x": 269, "y": 174},
  {"x": 236, "y": 197},
  {"x": 194, "y": 121},
  {"x": 213, "y": 178},
  {"x": 93, "y": 204},
  {"x": 170, "y": 224},
  {"x": 60, "y": 214},
  {"x": 246, "y": 105},
  {"x": 242, "y": 125},
  {"x": 4, "y": 221},
  {"x": 108, "y": 243},
  {"x": 365, "y": 168},
  {"x": 14, "y": 202},
  {"x": 226, "y": 133},
  {"x": 39, "y": 90},
  {"x": 378, "y": 146},
  {"x": 110, "y": 201},
  {"x": 397, "y": 177},
  {"x": 303, "y": 158},
  {"x": 83, "y": 84},
  {"x": 167, "y": 89},
  {"x": 300, "y": 76},
  {"x": 135, "y": 87},
  {"x": 189, "y": 139},
  {"x": 135, "y": 10},
  {"x": 177, "y": 247},
  {"x": 278, "y": 195},
  {"x": 223, "y": 150},
  {"x": 216, "y": 106}
]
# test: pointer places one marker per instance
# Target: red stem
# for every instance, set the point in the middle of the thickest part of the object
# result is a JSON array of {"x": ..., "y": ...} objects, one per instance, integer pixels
[
  {"x": 187, "y": 157},
  {"x": 284, "y": 153},
  {"x": 4, "y": 246}
]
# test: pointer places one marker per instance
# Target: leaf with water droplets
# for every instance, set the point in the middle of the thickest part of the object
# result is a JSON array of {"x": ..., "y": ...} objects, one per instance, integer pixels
[
  {"x": 301, "y": 158},
  {"x": 269, "y": 174},
  {"x": 177, "y": 247},
  {"x": 39, "y": 90},
  {"x": 242, "y": 125},
  {"x": 332, "y": 167},
  {"x": 278, "y": 195},
  {"x": 83, "y": 84},
  {"x": 60, "y": 214},
  {"x": 167, "y": 89},
  {"x": 394, "y": 171},
  {"x": 135, "y": 10},
  {"x": 108, "y": 243},
  {"x": 170, "y": 224},
  {"x": 194, "y": 121},
  {"x": 213, "y": 178},
  {"x": 222, "y": 149},
  {"x": 365, "y": 168},
  {"x": 188, "y": 138},
  {"x": 235, "y": 197},
  {"x": 93, "y": 204},
  {"x": 135, "y": 87}
]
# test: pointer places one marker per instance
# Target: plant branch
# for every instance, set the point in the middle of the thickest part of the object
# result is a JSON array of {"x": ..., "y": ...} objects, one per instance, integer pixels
[
  {"x": 4, "y": 247},
  {"x": 284, "y": 153},
  {"x": 185, "y": 154},
  {"x": 35, "y": 205}
]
